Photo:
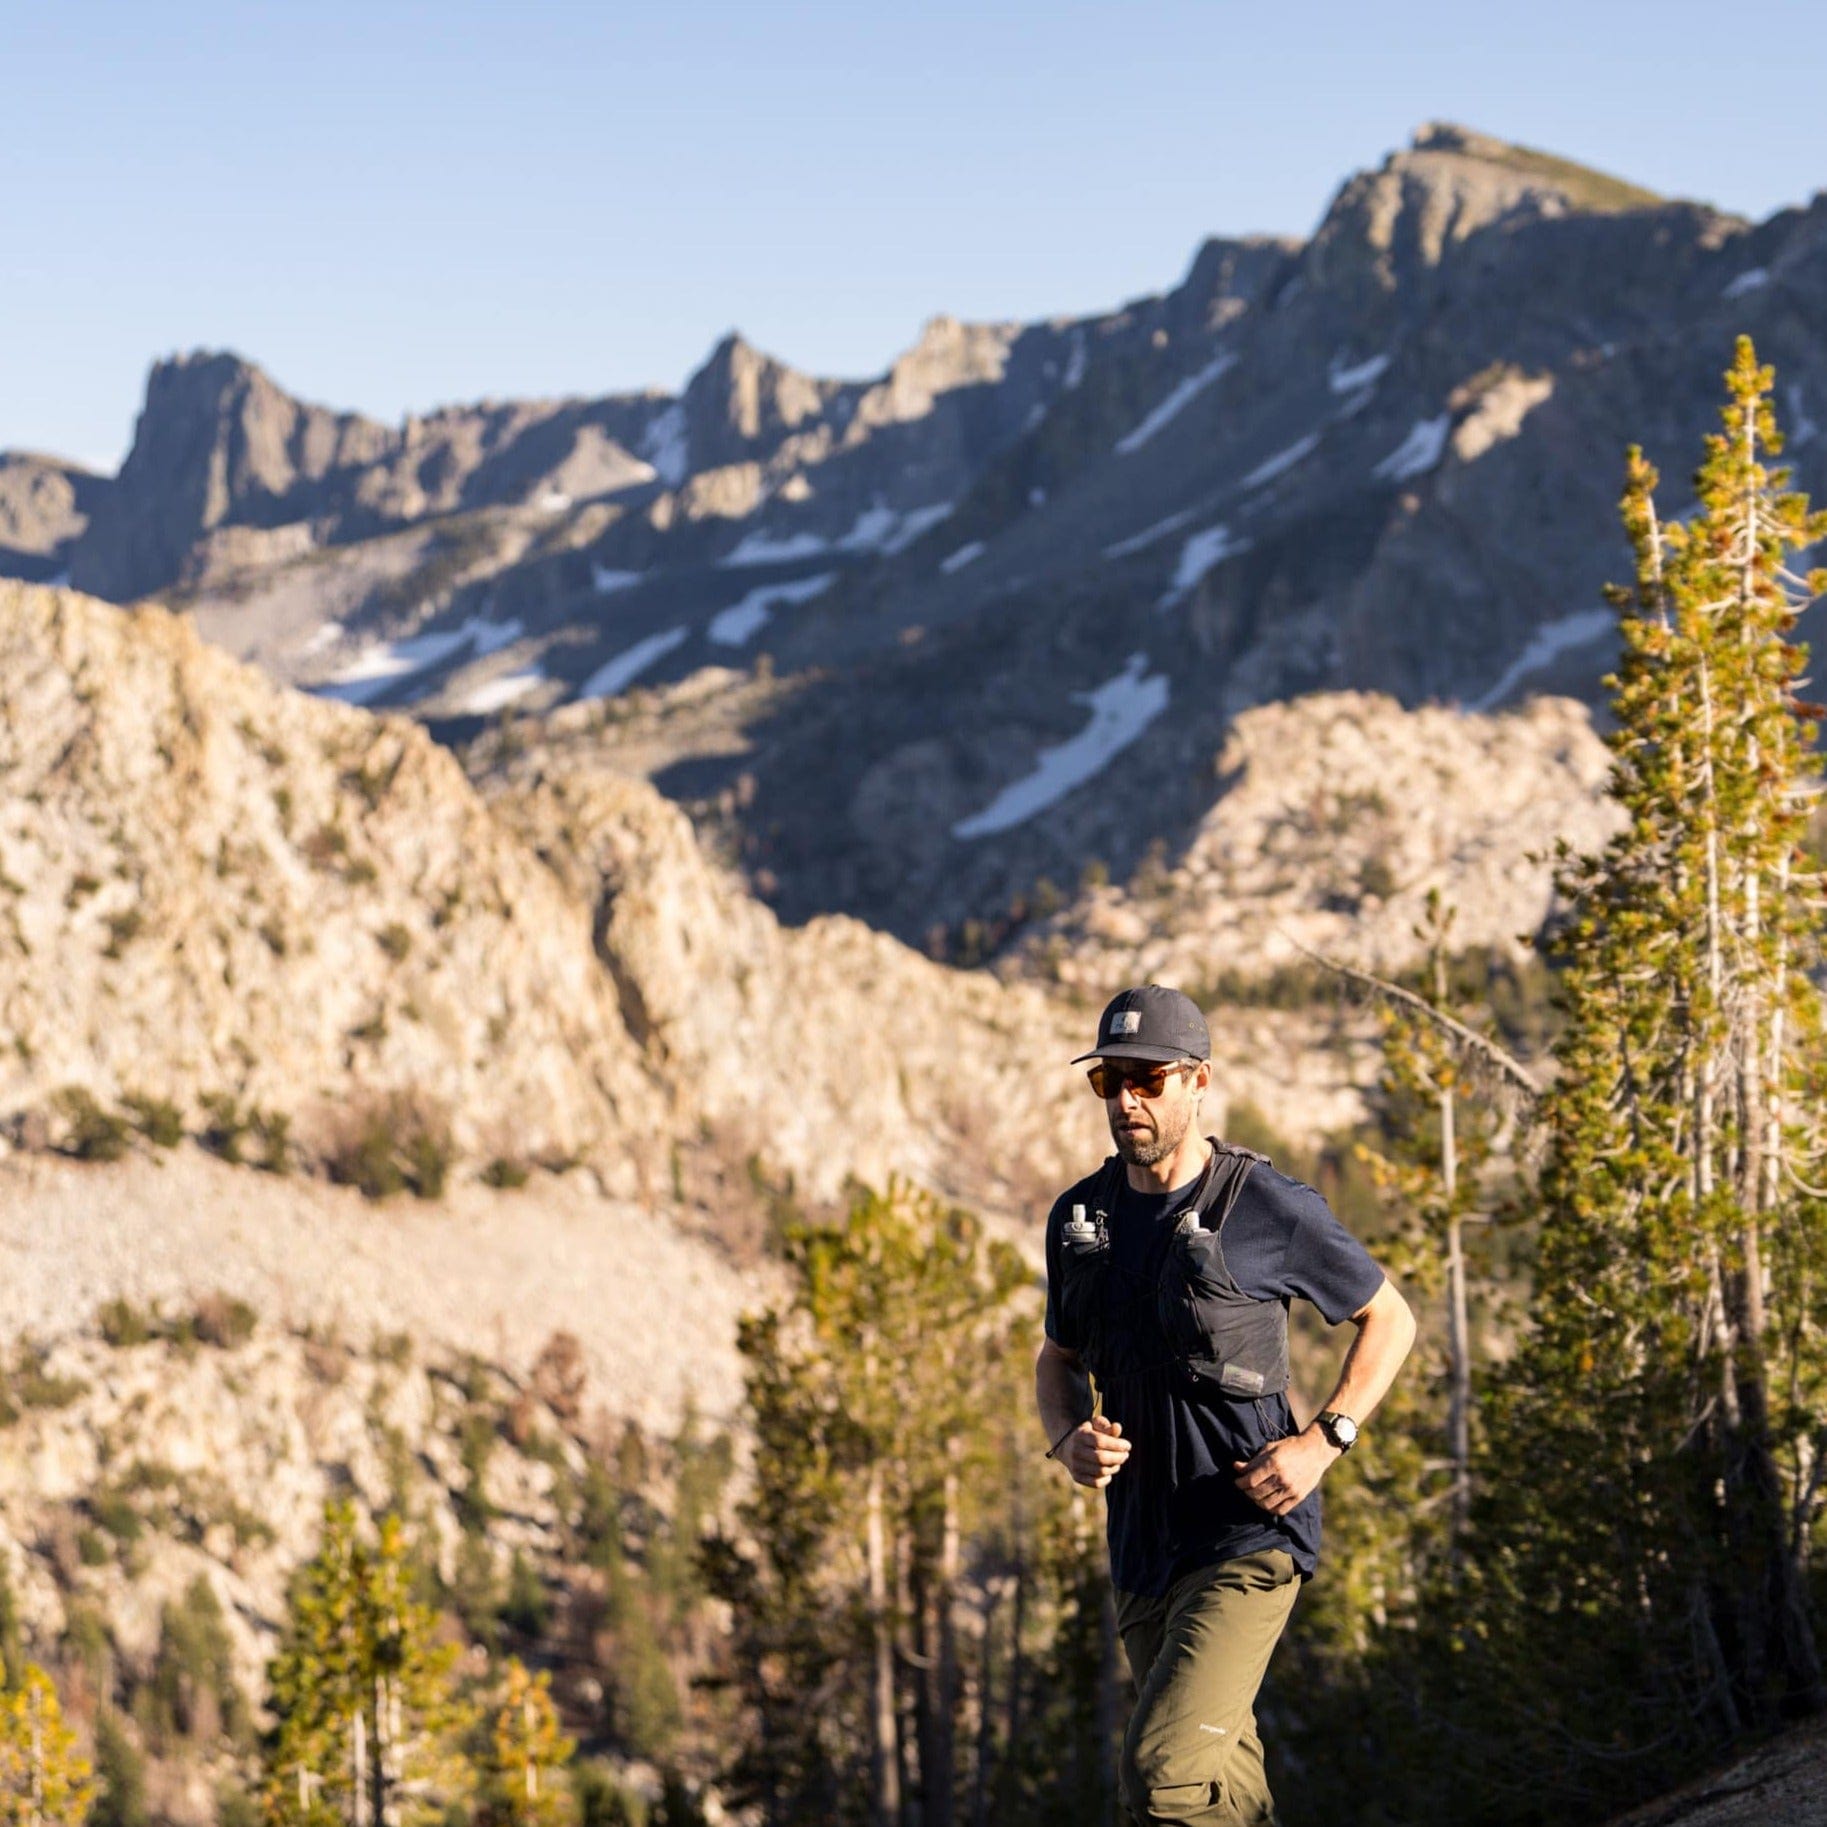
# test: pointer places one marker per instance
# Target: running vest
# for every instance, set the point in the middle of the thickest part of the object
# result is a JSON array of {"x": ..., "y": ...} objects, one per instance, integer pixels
[{"x": 1194, "y": 1315}]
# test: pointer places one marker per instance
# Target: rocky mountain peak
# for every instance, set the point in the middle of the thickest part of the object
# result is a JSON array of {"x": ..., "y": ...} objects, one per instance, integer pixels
[
  {"x": 1227, "y": 277},
  {"x": 742, "y": 397},
  {"x": 217, "y": 439},
  {"x": 1387, "y": 228}
]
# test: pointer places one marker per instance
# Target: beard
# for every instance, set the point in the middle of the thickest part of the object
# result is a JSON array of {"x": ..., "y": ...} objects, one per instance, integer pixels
[{"x": 1158, "y": 1137}]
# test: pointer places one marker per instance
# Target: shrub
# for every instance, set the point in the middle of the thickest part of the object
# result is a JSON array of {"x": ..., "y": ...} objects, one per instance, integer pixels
[
  {"x": 326, "y": 846},
  {"x": 90, "y": 1133},
  {"x": 223, "y": 1321},
  {"x": 122, "y": 927},
  {"x": 1377, "y": 878},
  {"x": 113, "y": 1510},
  {"x": 32, "y": 1386},
  {"x": 506, "y": 1173},
  {"x": 392, "y": 1144},
  {"x": 526, "y": 1608},
  {"x": 602, "y": 1801},
  {"x": 226, "y": 1124},
  {"x": 123, "y": 1324},
  {"x": 158, "y": 1119},
  {"x": 273, "y": 1131},
  {"x": 394, "y": 940}
]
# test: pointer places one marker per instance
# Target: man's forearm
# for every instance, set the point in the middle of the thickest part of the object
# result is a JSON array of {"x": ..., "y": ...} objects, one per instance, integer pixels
[
  {"x": 1062, "y": 1392},
  {"x": 1386, "y": 1330}
]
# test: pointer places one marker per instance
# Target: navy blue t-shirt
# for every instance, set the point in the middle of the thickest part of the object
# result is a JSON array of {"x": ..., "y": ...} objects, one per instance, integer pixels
[{"x": 1174, "y": 1506}]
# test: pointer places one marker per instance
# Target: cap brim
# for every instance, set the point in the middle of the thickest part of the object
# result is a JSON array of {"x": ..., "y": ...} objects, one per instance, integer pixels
[{"x": 1138, "y": 1049}]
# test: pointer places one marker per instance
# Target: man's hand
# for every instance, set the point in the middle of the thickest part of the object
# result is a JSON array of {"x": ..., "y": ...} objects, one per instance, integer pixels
[
  {"x": 1286, "y": 1472},
  {"x": 1094, "y": 1452}
]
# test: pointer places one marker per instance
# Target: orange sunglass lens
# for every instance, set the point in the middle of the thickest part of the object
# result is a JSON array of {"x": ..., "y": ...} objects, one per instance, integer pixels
[{"x": 1108, "y": 1081}]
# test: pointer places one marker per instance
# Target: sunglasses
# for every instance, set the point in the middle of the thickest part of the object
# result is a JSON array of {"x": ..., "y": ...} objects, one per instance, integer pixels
[{"x": 1108, "y": 1079}]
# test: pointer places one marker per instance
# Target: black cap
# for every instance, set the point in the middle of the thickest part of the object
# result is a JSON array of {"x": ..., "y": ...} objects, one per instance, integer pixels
[{"x": 1151, "y": 1023}]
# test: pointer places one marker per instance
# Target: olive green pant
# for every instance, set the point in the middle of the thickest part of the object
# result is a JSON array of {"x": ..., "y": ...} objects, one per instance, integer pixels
[{"x": 1198, "y": 1653}]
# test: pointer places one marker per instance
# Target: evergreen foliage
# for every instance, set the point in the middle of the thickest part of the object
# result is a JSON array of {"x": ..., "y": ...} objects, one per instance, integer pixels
[
  {"x": 1655, "y": 1449},
  {"x": 903, "y": 1553},
  {"x": 44, "y": 1780},
  {"x": 120, "y": 1772},
  {"x": 369, "y": 1719},
  {"x": 521, "y": 1781}
]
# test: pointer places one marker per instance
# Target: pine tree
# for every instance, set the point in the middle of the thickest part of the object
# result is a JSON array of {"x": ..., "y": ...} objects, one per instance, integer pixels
[
  {"x": 868, "y": 1391},
  {"x": 1652, "y": 1490},
  {"x": 523, "y": 1782},
  {"x": 368, "y": 1714},
  {"x": 44, "y": 1781}
]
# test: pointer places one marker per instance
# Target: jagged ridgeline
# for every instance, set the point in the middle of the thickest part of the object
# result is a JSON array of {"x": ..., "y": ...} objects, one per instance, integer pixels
[{"x": 887, "y": 636}]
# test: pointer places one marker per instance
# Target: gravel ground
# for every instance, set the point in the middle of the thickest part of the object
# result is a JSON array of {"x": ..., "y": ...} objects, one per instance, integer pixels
[{"x": 492, "y": 1272}]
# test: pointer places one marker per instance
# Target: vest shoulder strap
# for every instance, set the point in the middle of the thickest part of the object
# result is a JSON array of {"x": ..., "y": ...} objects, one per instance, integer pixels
[
  {"x": 1229, "y": 1167},
  {"x": 1218, "y": 1188},
  {"x": 1104, "y": 1191}
]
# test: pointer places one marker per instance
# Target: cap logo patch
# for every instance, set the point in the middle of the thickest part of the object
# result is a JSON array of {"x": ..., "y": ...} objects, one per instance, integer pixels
[{"x": 1125, "y": 1021}]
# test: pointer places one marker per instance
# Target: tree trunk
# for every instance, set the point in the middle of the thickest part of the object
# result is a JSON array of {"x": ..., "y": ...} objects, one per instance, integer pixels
[
  {"x": 983, "y": 1765},
  {"x": 884, "y": 1748},
  {"x": 358, "y": 1758},
  {"x": 941, "y": 1808}
]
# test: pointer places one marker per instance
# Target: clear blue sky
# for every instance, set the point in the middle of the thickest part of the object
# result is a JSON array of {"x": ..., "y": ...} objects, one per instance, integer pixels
[{"x": 392, "y": 206}]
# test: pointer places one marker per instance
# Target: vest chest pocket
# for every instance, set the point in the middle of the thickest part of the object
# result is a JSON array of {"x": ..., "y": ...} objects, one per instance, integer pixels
[
  {"x": 1084, "y": 1264},
  {"x": 1194, "y": 1282},
  {"x": 1222, "y": 1335}
]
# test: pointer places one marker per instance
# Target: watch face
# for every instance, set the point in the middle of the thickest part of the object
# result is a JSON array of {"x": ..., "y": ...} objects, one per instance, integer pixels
[{"x": 1343, "y": 1429}]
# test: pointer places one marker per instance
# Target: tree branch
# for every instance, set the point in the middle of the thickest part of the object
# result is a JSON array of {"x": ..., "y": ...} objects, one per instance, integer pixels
[{"x": 1504, "y": 1063}]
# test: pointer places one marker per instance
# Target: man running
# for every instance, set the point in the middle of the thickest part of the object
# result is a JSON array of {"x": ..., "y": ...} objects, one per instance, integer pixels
[{"x": 1169, "y": 1273}]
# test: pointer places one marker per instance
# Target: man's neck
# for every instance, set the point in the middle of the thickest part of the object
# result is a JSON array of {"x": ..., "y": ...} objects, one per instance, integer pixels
[{"x": 1162, "y": 1176}]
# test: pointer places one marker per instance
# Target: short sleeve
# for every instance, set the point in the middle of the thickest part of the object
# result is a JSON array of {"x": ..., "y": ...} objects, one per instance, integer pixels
[
  {"x": 1057, "y": 1329},
  {"x": 1282, "y": 1241}
]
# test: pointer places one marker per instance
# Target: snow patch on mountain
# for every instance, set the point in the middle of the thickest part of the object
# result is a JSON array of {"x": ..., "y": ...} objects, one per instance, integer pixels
[
  {"x": 491, "y": 637},
  {"x": 1075, "y": 362},
  {"x": 1176, "y": 402},
  {"x": 918, "y": 521},
  {"x": 1283, "y": 461},
  {"x": 1149, "y": 536},
  {"x": 1756, "y": 278},
  {"x": 1547, "y": 643},
  {"x": 759, "y": 548},
  {"x": 666, "y": 444},
  {"x": 739, "y": 623},
  {"x": 606, "y": 582},
  {"x": 879, "y": 528},
  {"x": 1424, "y": 446},
  {"x": 492, "y": 694},
  {"x": 1121, "y": 709},
  {"x": 1350, "y": 377},
  {"x": 378, "y": 668},
  {"x": 1201, "y": 553},
  {"x": 630, "y": 663},
  {"x": 965, "y": 555}
]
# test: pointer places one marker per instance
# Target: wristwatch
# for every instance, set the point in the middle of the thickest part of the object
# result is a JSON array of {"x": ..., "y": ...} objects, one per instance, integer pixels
[{"x": 1341, "y": 1430}]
